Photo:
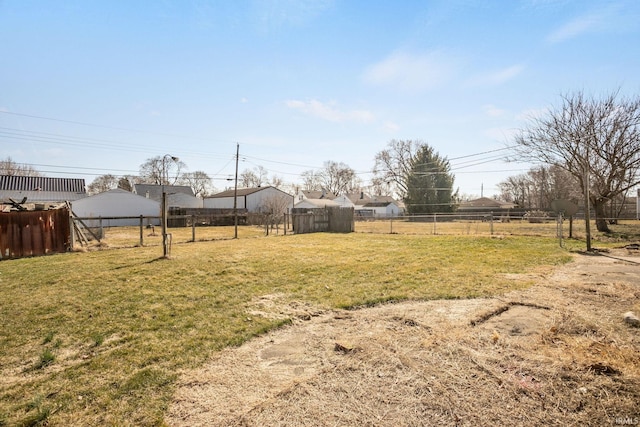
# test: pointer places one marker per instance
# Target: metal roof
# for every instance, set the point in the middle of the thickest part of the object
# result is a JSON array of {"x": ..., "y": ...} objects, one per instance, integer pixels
[
  {"x": 155, "y": 190},
  {"x": 240, "y": 192},
  {"x": 41, "y": 183}
]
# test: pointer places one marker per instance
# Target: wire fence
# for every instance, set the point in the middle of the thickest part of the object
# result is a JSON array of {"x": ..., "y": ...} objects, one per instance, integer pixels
[
  {"x": 438, "y": 224},
  {"x": 488, "y": 225}
]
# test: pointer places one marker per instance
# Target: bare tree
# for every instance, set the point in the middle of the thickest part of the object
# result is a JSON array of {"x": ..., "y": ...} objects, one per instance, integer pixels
[
  {"x": 102, "y": 183},
  {"x": 338, "y": 178},
  {"x": 126, "y": 182},
  {"x": 311, "y": 180},
  {"x": 161, "y": 170},
  {"x": 596, "y": 140},
  {"x": 199, "y": 182},
  {"x": 256, "y": 177},
  {"x": 248, "y": 179},
  {"x": 381, "y": 187},
  {"x": 393, "y": 165},
  {"x": 516, "y": 189},
  {"x": 9, "y": 167},
  {"x": 274, "y": 207},
  {"x": 276, "y": 181}
]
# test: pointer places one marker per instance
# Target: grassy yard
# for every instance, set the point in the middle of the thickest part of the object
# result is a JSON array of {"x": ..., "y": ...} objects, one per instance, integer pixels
[{"x": 99, "y": 337}]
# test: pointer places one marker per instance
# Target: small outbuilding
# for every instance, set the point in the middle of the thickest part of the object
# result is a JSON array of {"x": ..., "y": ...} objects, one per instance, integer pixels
[
  {"x": 117, "y": 203},
  {"x": 40, "y": 189},
  {"x": 316, "y": 203},
  {"x": 254, "y": 200}
]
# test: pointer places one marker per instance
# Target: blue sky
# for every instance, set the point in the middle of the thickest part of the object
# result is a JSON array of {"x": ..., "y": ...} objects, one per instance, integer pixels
[{"x": 96, "y": 87}]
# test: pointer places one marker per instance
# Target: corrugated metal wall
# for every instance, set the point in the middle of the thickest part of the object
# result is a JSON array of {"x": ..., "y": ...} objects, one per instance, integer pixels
[
  {"x": 33, "y": 233},
  {"x": 41, "y": 183}
]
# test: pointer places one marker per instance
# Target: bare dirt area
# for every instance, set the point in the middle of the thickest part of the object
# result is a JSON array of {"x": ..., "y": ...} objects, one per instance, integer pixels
[{"x": 559, "y": 353}]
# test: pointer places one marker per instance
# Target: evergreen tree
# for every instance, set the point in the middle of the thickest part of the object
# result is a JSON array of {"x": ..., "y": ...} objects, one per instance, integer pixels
[{"x": 430, "y": 183}]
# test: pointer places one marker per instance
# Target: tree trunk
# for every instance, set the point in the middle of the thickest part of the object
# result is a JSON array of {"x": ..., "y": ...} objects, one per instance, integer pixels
[{"x": 601, "y": 217}]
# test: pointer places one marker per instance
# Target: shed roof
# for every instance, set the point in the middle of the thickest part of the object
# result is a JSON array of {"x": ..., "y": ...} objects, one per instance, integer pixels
[
  {"x": 485, "y": 203},
  {"x": 155, "y": 190},
  {"x": 41, "y": 189},
  {"x": 41, "y": 183},
  {"x": 240, "y": 192}
]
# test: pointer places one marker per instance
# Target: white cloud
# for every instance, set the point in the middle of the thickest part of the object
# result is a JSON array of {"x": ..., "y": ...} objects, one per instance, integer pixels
[
  {"x": 409, "y": 72},
  {"x": 573, "y": 29},
  {"x": 613, "y": 16},
  {"x": 389, "y": 126},
  {"x": 493, "y": 111},
  {"x": 327, "y": 111},
  {"x": 272, "y": 14},
  {"x": 243, "y": 100},
  {"x": 498, "y": 77}
]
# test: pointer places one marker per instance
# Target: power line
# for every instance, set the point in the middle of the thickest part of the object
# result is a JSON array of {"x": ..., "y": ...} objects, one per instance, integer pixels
[{"x": 110, "y": 127}]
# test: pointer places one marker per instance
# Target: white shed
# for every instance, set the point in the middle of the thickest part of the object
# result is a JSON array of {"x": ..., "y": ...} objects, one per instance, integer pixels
[
  {"x": 182, "y": 200},
  {"x": 116, "y": 203},
  {"x": 379, "y": 209},
  {"x": 316, "y": 203},
  {"x": 252, "y": 199},
  {"x": 344, "y": 201}
]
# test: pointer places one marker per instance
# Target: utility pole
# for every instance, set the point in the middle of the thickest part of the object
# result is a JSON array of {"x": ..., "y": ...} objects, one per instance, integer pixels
[
  {"x": 235, "y": 195},
  {"x": 165, "y": 173},
  {"x": 587, "y": 213}
]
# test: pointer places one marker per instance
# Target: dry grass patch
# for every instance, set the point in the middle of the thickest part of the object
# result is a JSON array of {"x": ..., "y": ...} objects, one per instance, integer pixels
[{"x": 98, "y": 337}]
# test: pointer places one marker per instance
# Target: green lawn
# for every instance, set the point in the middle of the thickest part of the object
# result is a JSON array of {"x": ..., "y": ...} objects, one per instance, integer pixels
[{"x": 98, "y": 338}]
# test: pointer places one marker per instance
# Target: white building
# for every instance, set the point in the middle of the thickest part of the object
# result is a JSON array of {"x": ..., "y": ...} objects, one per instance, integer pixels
[
  {"x": 178, "y": 196},
  {"x": 316, "y": 203},
  {"x": 255, "y": 200},
  {"x": 383, "y": 209},
  {"x": 116, "y": 203}
]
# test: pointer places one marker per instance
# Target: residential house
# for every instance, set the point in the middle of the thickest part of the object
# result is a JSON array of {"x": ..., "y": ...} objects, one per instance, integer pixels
[
  {"x": 485, "y": 204},
  {"x": 316, "y": 203},
  {"x": 254, "y": 200},
  {"x": 379, "y": 209},
  {"x": 39, "y": 189},
  {"x": 178, "y": 196},
  {"x": 117, "y": 203},
  {"x": 352, "y": 200},
  {"x": 376, "y": 206},
  {"x": 320, "y": 195}
]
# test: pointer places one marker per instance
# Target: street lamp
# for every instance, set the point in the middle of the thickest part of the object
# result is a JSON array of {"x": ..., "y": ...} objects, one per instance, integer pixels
[{"x": 165, "y": 178}]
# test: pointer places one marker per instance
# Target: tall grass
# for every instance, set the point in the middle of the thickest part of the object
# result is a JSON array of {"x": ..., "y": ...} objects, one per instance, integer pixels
[{"x": 125, "y": 322}]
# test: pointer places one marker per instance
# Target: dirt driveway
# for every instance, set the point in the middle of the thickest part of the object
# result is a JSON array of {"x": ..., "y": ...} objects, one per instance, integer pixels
[{"x": 558, "y": 353}]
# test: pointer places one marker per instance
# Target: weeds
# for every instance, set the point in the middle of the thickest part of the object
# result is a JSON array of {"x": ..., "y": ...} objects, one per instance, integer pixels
[{"x": 46, "y": 358}]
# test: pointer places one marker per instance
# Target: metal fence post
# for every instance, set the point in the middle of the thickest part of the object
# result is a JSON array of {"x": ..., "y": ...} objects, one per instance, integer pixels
[
  {"x": 434, "y": 222},
  {"x": 491, "y": 223},
  {"x": 141, "y": 231}
]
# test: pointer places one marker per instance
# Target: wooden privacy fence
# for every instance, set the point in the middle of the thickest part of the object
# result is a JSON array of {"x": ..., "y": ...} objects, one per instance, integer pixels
[
  {"x": 33, "y": 233},
  {"x": 330, "y": 219}
]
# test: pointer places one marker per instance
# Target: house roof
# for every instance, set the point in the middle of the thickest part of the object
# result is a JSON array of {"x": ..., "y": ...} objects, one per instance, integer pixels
[
  {"x": 155, "y": 190},
  {"x": 485, "y": 203},
  {"x": 240, "y": 192},
  {"x": 320, "y": 194},
  {"x": 319, "y": 203},
  {"x": 377, "y": 204},
  {"x": 41, "y": 189},
  {"x": 41, "y": 183}
]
